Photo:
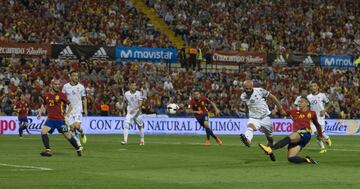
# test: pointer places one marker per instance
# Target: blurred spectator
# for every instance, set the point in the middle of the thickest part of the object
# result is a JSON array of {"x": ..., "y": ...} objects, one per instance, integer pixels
[
  {"x": 82, "y": 22},
  {"x": 322, "y": 27}
]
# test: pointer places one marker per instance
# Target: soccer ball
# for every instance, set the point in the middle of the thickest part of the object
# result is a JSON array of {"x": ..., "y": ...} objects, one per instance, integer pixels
[{"x": 172, "y": 108}]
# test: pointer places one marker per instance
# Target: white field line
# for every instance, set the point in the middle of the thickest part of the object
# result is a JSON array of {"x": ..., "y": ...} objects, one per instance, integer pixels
[
  {"x": 240, "y": 144},
  {"x": 27, "y": 167}
]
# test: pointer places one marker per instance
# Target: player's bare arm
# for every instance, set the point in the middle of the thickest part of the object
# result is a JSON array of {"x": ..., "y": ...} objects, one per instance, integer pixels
[
  {"x": 277, "y": 103},
  {"x": 40, "y": 111},
  {"x": 84, "y": 100},
  {"x": 217, "y": 111},
  {"x": 244, "y": 109},
  {"x": 327, "y": 106}
]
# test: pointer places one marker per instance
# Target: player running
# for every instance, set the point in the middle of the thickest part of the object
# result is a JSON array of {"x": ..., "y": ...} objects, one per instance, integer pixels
[
  {"x": 134, "y": 100},
  {"x": 197, "y": 106},
  {"x": 76, "y": 94},
  {"x": 22, "y": 108},
  {"x": 256, "y": 105},
  {"x": 297, "y": 140},
  {"x": 319, "y": 103},
  {"x": 54, "y": 100}
]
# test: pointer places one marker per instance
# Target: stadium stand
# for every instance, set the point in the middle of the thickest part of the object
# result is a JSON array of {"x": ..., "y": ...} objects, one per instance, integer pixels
[
  {"x": 316, "y": 27},
  {"x": 322, "y": 27}
]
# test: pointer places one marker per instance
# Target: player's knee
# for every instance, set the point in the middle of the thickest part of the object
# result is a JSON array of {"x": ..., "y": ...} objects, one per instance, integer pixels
[
  {"x": 251, "y": 126},
  {"x": 127, "y": 125}
]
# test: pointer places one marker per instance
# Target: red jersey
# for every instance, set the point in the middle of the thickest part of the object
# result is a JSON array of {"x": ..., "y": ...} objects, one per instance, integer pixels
[
  {"x": 22, "y": 108},
  {"x": 199, "y": 105},
  {"x": 302, "y": 120},
  {"x": 55, "y": 105}
]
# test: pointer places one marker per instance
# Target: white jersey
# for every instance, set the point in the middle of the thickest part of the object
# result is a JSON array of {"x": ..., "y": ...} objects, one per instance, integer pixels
[
  {"x": 317, "y": 103},
  {"x": 74, "y": 94},
  {"x": 256, "y": 103},
  {"x": 133, "y": 100}
]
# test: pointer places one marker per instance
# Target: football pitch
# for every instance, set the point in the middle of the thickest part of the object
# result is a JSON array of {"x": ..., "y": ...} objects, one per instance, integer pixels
[{"x": 173, "y": 161}]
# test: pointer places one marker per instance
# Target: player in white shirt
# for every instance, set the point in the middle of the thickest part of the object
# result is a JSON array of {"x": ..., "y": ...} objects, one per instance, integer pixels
[
  {"x": 76, "y": 94},
  {"x": 319, "y": 103},
  {"x": 256, "y": 106},
  {"x": 134, "y": 100}
]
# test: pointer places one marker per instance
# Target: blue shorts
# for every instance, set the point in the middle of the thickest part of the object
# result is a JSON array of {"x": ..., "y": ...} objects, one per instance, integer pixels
[
  {"x": 305, "y": 135},
  {"x": 57, "y": 124},
  {"x": 23, "y": 120},
  {"x": 202, "y": 120}
]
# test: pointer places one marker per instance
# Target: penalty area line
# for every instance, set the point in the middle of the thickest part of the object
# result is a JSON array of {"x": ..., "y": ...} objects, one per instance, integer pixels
[{"x": 27, "y": 167}]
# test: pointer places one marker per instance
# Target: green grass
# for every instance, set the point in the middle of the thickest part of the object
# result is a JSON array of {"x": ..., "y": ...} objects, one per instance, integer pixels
[{"x": 173, "y": 161}]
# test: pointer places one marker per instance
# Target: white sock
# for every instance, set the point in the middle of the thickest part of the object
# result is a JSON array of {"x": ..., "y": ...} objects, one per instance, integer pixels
[
  {"x": 321, "y": 144},
  {"x": 141, "y": 132},
  {"x": 126, "y": 132},
  {"x": 249, "y": 133},
  {"x": 76, "y": 138},
  {"x": 325, "y": 136}
]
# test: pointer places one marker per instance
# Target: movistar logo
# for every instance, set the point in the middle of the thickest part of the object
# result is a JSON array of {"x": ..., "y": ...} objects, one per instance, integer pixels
[{"x": 143, "y": 54}]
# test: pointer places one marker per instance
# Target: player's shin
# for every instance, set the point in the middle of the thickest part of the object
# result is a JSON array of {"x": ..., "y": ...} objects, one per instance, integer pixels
[
  {"x": 281, "y": 143},
  {"x": 141, "y": 132},
  {"x": 80, "y": 129},
  {"x": 73, "y": 142},
  {"x": 21, "y": 130},
  {"x": 45, "y": 140},
  {"x": 297, "y": 159},
  {"x": 211, "y": 133},
  {"x": 249, "y": 133},
  {"x": 126, "y": 131},
  {"x": 27, "y": 130},
  {"x": 73, "y": 135},
  {"x": 320, "y": 142}
]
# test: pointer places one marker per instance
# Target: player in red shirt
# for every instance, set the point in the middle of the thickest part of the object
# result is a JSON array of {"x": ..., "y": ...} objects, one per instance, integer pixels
[
  {"x": 55, "y": 101},
  {"x": 22, "y": 108},
  {"x": 297, "y": 140},
  {"x": 197, "y": 106}
]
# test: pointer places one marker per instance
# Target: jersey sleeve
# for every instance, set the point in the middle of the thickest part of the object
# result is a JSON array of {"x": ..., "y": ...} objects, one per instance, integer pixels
[
  {"x": 206, "y": 100},
  {"x": 264, "y": 92},
  {"x": 17, "y": 105},
  {"x": 289, "y": 112}
]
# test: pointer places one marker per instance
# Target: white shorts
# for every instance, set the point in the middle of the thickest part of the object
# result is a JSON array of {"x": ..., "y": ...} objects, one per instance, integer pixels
[
  {"x": 136, "y": 117},
  {"x": 322, "y": 124},
  {"x": 264, "y": 125},
  {"x": 73, "y": 118}
]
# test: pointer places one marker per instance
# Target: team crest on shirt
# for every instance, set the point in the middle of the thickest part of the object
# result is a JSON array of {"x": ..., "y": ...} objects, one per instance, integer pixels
[
  {"x": 57, "y": 97},
  {"x": 309, "y": 115}
]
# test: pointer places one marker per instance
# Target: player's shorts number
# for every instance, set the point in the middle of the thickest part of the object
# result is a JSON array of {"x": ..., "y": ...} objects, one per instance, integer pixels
[{"x": 64, "y": 129}]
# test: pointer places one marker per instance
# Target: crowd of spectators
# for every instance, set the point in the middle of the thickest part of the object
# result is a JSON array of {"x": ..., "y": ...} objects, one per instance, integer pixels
[
  {"x": 284, "y": 26},
  {"x": 106, "y": 81},
  {"x": 83, "y": 22}
]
